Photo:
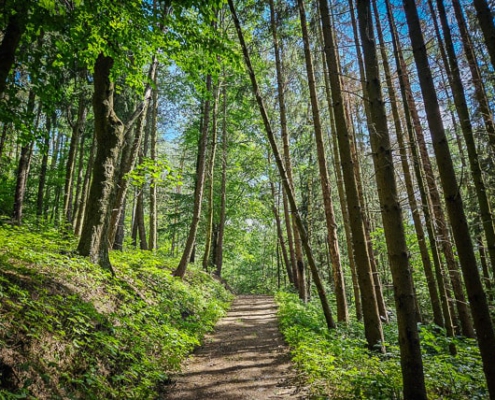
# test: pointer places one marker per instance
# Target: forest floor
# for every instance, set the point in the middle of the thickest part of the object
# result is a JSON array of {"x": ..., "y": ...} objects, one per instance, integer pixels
[{"x": 245, "y": 358}]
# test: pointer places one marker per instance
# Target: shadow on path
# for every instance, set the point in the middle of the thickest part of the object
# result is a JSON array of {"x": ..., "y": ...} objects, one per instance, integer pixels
[{"x": 245, "y": 358}]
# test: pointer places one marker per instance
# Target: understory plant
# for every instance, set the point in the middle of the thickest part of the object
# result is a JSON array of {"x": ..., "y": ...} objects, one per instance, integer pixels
[
  {"x": 337, "y": 365},
  {"x": 68, "y": 330}
]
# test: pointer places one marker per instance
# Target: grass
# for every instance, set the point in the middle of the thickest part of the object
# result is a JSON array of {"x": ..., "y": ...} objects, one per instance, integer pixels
[
  {"x": 337, "y": 364},
  {"x": 68, "y": 330}
]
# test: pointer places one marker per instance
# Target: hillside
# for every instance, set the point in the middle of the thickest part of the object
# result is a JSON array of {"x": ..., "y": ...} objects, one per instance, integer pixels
[{"x": 70, "y": 330}]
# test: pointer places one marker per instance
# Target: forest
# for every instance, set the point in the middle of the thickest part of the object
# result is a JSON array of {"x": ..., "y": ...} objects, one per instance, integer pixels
[{"x": 160, "y": 157}]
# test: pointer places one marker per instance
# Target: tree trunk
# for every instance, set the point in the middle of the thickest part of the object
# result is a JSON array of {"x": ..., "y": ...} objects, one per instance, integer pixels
[
  {"x": 411, "y": 116},
  {"x": 198, "y": 192},
  {"x": 467, "y": 130},
  {"x": 153, "y": 238},
  {"x": 23, "y": 168},
  {"x": 223, "y": 190},
  {"x": 77, "y": 130},
  {"x": 210, "y": 174},
  {"x": 398, "y": 254},
  {"x": 372, "y": 323},
  {"x": 485, "y": 18},
  {"x": 283, "y": 174},
  {"x": 85, "y": 189},
  {"x": 109, "y": 131},
  {"x": 129, "y": 161},
  {"x": 453, "y": 199},
  {"x": 292, "y": 236},
  {"x": 415, "y": 211},
  {"x": 338, "y": 275},
  {"x": 43, "y": 170},
  {"x": 382, "y": 309},
  {"x": 79, "y": 182},
  {"x": 11, "y": 39}
]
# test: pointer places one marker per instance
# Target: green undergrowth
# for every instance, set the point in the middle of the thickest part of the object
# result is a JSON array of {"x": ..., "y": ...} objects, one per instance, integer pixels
[
  {"x": 68, "y": 330},
  {"x": 337, "y": 365}
]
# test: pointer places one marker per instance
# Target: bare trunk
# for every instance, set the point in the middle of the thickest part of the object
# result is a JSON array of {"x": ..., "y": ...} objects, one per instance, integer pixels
[
  {"x": 453, "y": 199},
  {"x": 372, "y": 323},
  {"x": 77, "y": 130},
  {"x": 153, "y": 245},
  {"x": 398, "y": 254},
  {"x": 292, "y": 236},
  {"x": 11, "y": 39},
  {"x": 415, "y": 211},
  {"x": 198, "y": 192},
  {"x": 223, "y": 190},
  {"x": 210, "y": 175},
  {"x": 338, "y": 275}
]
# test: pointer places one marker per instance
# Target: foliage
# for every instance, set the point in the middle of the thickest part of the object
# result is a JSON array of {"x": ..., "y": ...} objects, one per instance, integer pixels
[
  {"x": 337, "y": 363},
  {"x": 71, "y": 331}
]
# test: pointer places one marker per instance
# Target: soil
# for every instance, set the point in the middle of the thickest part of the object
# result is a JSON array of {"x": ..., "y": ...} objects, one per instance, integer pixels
[{"x": 245, "y": 358}]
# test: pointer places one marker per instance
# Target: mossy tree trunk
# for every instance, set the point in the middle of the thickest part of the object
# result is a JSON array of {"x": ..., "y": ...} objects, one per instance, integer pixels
[{"x": 109, "y": 131}]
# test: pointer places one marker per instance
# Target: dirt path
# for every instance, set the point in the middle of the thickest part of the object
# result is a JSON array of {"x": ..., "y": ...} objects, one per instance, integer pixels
[{"x": 245, "y": 358}]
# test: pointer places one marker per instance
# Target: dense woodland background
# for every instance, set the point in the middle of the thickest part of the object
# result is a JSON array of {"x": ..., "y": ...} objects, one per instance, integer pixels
[{"x": 359, "y": 174}]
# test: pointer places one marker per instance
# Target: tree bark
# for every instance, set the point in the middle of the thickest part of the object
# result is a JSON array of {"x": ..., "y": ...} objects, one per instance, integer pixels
[
  {"x": 453, "y": 199},
  {"x": 77, "y": 130},
  {"x": 128, "y": 163},
  {"x": 223, "y": 190},
  {"x": 467, "y": 130},
  {"x": 292, "y": 235},
  {"x": 398, "y": 254},
  {"x": 210, "y": 176},
  {"x": 371, "y": 317},
  {"x": 153, "y": 236},
  {"x": 338, "y": 274},
  {"x": 485, "y": 19},
  {"x": 109, "y": 131},
  {"x": 11, "y": 39},
  {"x": 415, "y": 211},
  {"x": 43, "y": 170},
  {"x": 198, "y": 192}
]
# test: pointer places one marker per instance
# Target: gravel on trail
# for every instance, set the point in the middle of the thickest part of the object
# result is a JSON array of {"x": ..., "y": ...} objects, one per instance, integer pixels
[{"x": 245, "y": 358}]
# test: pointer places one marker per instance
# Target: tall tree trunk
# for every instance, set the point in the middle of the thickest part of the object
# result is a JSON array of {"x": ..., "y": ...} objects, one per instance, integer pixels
[
  {"x": 371, "y": 317},
  {"x": 153, "y": 128},
  {"x": 415, "y": 211},
  {"x": 442, "y": 233},
  {"x": 198, "y": 192},
  {"x": 485, "y": 18},
  {"x": 223, "y": 190},
  {"x": 411, "y": 116},
  {"x": 11, "y": 38},
  {"x": 109, "y": 131},
  {"x": 23, "y": 167},
  {"x": 338, "y": 274},
  {"x": 280, "y": 235},
  {"x": 127, "y": 163},
  {"x": 77, "y": 130},
  {"x": 43, "y": 170},
  {"x": 292, "y": 235},
  {"x": 210, "y": 175},
  {"x": 283, "y": 175},
  {"x": 85, "y": 188},
  {"x": 367, "y": 225},
  {"x": 398, "y": 254},
  {"x": 453, "y": 199},
  {"x": 79, "y": 181},
  {"x": 467, "y": 130}
]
